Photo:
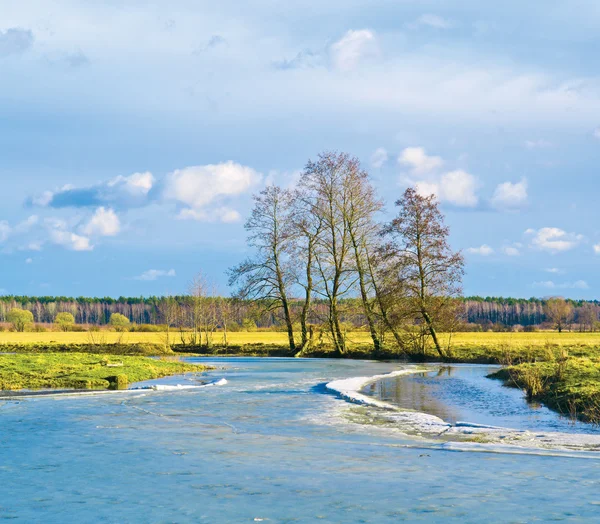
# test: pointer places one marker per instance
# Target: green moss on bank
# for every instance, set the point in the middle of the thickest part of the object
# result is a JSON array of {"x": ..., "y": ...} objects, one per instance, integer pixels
[{"x": 84, "y": 370}]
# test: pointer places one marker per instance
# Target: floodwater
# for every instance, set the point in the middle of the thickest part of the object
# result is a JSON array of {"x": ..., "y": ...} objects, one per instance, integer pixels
[{"x": 271, "y": 445}]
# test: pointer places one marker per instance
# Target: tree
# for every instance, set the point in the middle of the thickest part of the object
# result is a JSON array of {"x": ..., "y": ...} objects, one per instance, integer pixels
[
  {"x": 267, "y": 277},
  {"x": 169, "y": 310},
  {"x": 324, "y": 184},
  {"x": 64, "y": 321},
  {"x": 559, "y": 312},
  {"x": 119, "y": 322},
  {"x": 588, "y": 317},
  {"x": 20, "y": 318},
  {"x": 426, "y": 270}
]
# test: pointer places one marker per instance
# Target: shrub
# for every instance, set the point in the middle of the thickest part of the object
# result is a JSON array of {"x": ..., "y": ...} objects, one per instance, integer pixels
[
  {"x": 249, "y": 325},
  {"x": 64, "y": 321},
  {"x": 20, "y": 319},
  {"x": 119, "y": 322}
]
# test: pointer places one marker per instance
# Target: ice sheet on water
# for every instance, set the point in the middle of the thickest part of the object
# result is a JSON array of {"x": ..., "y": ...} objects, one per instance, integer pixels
[{"x": 431, "y": 427}]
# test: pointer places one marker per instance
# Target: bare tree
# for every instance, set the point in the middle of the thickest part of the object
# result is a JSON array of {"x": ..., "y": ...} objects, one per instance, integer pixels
[
  {"x": 360, "y": 208},
  {"x": 588, "y": 317},
  {"x": 559, "y": 311},
  {"x": 268, "y": 276},
  {"x": 168, "y": 309},
  {"x": 308, "y": 227},
  {"x": 430, "y": 272},
  {"x": 323, "y": 183}
]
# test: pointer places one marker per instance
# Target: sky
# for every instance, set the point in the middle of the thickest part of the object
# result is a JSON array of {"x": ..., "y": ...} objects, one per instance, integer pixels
[{"x": 134, "y": 133}]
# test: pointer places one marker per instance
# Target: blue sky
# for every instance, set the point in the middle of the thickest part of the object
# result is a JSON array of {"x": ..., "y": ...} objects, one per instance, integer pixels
[{"x": 134, "y": 133}]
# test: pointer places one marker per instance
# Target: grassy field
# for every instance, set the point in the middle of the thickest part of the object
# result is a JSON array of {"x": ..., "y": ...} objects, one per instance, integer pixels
[
  {"x": 84, "y": 370},
  {"x": 465, "y": 345}
]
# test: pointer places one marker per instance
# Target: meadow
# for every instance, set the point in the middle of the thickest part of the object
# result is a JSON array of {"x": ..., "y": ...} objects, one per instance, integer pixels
[{"x": 465, "y": 346}]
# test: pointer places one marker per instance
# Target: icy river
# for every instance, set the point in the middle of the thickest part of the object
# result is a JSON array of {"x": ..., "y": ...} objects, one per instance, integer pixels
[{"x": 299, "y": 440}]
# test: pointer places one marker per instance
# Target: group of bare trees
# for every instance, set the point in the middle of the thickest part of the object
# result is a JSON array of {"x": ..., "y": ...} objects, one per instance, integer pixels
[{"x": 323, "y": 239}]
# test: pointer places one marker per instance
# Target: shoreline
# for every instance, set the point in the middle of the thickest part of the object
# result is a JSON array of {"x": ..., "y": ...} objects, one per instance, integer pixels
[{"x": 372, "y": 411}]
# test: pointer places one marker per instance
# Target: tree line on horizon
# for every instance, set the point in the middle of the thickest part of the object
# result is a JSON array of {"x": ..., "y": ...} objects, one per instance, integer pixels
[{"x": 322, "y": 258}]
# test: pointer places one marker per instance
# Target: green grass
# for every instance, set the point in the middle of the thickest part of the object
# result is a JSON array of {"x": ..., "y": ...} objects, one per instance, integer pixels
[
  {"x": 84, "y": 370},
  {"x": 570, "y": 386}
]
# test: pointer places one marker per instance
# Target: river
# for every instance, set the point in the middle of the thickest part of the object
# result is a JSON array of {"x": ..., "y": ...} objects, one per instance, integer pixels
[{"x": 274, "y": 444}]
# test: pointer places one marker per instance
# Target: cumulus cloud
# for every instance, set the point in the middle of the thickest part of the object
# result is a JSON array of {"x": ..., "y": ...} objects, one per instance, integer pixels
[
  {"x": 550, "y": 284},
  {"x": 15, "y": 41},
  {"x": 510, "y": 196},
  {"x": 198, "y": 187},
  {"x": 484, "y": 250},
  {"x": 104, "y": 222},
  {"x": 155, "y": 274},
  {"x": 597, "y": 249},
  {"x": 511, "y": 251},
  {"x": 353, "y": 48},
  {"x": 419, "y": 161},
  {"x": 121, "y": 191},
  {"x": 71, "y": 241},
  {"x": 457, "y": 187},
  {"x": 379, "y": 158},
  {"x": 553, "y": 239}
]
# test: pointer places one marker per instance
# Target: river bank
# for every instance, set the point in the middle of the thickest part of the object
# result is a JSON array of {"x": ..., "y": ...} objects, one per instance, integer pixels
[{"x": 84, "y": 370}]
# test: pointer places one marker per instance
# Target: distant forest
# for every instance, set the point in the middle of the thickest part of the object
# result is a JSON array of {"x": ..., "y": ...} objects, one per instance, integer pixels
[{"x": 477, "y": 312}]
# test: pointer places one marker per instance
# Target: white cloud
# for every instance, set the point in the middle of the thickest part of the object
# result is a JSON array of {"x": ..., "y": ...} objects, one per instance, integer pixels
[
  {"x": 554, "y": 270},
  {"x": 549, "y": 284},
  {"x": 200, "y": 186},
  {"x": 511, "y": 251},
  {"x": 5, "y": 230},
  {"x": 418, "y": 160},
  {"x": 554, "y": 239},
  {"x": 354, "y": 47},
  {"x": 435, "y": 21},
  {"x": 484, "y": 250},
  {"x": 379, "y": 157},
  {"x": 221, "y": 214},
  {"x": 71, "y": 241},
  {"x": 537, "y": 144},
  {"x": 121, "y": 191},
  {"x": 138, "y": 183},
  {"x": 105, "y": 222},
  {"x": 155, "y": 274},
  {"x": 59, "y": 235},
  {"x": 509, "y": 195},
  {"x": 456, "y": 187},
  {"x": 597, "y": 249}
]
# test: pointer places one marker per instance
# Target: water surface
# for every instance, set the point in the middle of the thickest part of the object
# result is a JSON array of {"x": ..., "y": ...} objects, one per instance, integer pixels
[
  {"x": 269, "y": 445},
  {"x": 463, "y": 393}
]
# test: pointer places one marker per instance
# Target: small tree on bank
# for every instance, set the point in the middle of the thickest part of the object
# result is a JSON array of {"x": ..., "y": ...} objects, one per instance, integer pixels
[
  {"x": 560, "y": 312},
  {"x": 20, "y": 319},
  {"x": 268, "y": 275},
  {"x": 64, "y": 321},
  {"x": 119, "y": 322},
  {"x": 428, "y": 273}
]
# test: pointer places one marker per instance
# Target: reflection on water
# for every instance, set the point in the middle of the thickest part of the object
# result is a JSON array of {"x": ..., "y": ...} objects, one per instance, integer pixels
[{"x": 465, "y": 394}]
